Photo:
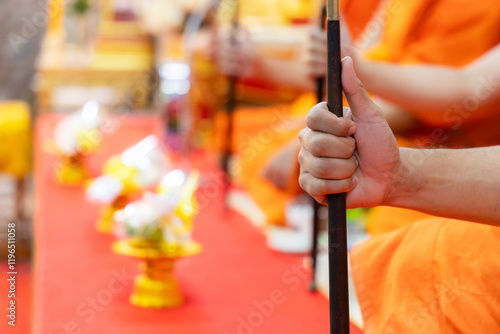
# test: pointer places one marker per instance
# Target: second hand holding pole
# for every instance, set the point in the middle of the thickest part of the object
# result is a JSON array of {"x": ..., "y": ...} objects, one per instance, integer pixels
[
  {"x": 337, "y": 222},
  {"x": 230, "y": 107}
]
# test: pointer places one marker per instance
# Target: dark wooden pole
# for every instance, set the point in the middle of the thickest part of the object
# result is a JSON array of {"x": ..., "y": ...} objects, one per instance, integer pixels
[
  {"x": 337, "y": 227},
  {"x": 230, "y": 107},
  {"x": 320, "y": 84}
]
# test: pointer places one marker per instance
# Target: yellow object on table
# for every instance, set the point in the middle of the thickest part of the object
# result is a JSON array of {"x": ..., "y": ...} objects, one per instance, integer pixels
[
  {"x": 128, "y": 177},
  {"x": 15, "y": 138},
  {"x": 155, "y": 287},
  {"x": 70, "y": 171}
]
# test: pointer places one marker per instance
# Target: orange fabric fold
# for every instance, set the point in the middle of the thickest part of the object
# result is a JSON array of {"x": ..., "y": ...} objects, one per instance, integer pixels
[
  {"x": 384, "y": 219},
  {"x": 446, "y": 32},
  {"x": 435, "y": 276},
  {"x": 258, "y": 134}
]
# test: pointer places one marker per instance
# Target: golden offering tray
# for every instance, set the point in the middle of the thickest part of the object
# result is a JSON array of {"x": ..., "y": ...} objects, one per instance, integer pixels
[{"x": 156, "y": 287}]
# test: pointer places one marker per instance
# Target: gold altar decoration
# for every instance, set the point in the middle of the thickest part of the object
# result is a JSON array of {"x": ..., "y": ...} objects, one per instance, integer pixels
[
  {"x": 124, "y": 177},
  {"x": 156, "y": 287},
  {"x": 158, "y": 230},
  {"x": 128, "y": 177},
  {"x": 75, "y": 136}
]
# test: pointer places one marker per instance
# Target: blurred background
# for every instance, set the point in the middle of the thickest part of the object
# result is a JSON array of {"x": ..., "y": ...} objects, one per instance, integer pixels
[{"x": 174, "y": 123}]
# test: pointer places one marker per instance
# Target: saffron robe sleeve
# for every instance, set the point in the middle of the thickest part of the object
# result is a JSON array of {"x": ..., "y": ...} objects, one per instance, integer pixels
[
  {"x": 437, "y": 276},
  {"x": 440, "y": 32}
]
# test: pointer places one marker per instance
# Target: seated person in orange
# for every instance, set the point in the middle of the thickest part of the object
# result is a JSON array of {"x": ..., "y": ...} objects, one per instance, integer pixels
[
  {"x": 453, "y": 109},
  {"x": 392, "y": 35},
  {"x": 261, "y": 131},
  {"x": 435, "y": 276}
]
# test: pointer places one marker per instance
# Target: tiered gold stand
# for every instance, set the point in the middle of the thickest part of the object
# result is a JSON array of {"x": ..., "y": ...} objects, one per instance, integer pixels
[{"x": 156, "y": 287}]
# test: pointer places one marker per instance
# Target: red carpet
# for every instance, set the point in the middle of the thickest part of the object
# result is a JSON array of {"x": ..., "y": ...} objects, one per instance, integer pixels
[
  {"x": 23, "y": 299},
  {"x": 82, "y": 287}
]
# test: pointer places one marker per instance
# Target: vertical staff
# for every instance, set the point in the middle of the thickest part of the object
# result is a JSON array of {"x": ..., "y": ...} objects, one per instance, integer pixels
[
  {"x": 230, "y": 107},
  {"x": 337, "y": 228},
  {"x": 320, "y": 83}
]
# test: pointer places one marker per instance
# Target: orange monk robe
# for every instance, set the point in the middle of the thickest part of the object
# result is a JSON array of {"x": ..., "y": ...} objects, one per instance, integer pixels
[
  {"x": 437, "y": 276},
  {"x": 444, "y": 32},
  {"x": 259, "y": 134}
]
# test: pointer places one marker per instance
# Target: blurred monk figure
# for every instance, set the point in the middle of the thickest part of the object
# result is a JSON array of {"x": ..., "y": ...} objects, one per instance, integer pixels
[
  {"x": 400, "y": 32},
  {"x": 267, "y": 59},
  {"x": 438, "y": 275},
  {"x": 419, "y": 32}
]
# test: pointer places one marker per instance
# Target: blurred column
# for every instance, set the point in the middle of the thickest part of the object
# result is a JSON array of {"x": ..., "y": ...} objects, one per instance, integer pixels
[{"x": 22, "y": 27}]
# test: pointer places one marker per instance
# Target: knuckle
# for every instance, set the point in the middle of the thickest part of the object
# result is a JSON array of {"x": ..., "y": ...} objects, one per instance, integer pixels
[
  {"x": 301, "y": 157},
  {"x": 311, "y": 118},
  {"x": 321, "y": 169},
  {"x": 316, "y": 145},
  {"x": 343, "y": 125},
  {"x": 302, "y": 135},
  {"x": 303, "y": 182},
  {"x": 316, "y": 168},
  {"x": 321, "y": 188},
  {"x": 314, "y": 116}
]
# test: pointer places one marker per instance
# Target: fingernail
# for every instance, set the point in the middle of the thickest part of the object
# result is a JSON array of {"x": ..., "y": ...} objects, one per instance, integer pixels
[
  {"x": 355, "y": 181},
  {"x": 357, "y": 162},
  {"x": 351, "y": 131}
]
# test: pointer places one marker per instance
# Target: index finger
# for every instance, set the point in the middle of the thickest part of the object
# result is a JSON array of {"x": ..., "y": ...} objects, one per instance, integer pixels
[{"x": 321, "y": 119}]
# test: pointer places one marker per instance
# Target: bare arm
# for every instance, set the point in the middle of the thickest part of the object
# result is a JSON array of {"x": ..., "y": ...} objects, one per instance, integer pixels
[
  {"x": 462, "y": 184},
  {"x": 428, "y": 91},
  {"x": 289, "y": 73},
  {"x": 358, "y": 154},
  {"x": 254, "y": 57}
]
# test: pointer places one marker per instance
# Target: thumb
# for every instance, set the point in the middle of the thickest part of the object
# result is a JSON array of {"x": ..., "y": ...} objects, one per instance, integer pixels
[{"x": 361, "y": 105}]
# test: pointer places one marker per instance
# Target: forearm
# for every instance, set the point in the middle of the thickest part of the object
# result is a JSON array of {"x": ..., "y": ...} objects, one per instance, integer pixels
[
  {"x": 423, "y": 90},
  {"x": 460, "y": 184},
  {"x": 289, "y": 73}
]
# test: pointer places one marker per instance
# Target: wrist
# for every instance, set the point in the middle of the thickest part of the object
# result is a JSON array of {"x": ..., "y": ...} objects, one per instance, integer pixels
[{"x": 403, "y": 184}]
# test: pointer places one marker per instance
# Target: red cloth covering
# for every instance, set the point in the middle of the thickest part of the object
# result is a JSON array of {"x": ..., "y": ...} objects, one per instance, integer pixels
[
  {"x": 81, "y": 286},
  {"x": 22, "y": 299}
]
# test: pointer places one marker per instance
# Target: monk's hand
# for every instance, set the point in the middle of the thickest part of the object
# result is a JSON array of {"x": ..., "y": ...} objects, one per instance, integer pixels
[
  {"x": 317, "y": 50},
  {"x": 236, "y": 55},
  {"x": 356, "y": 154},
  {"x": 316, "y": 54}
]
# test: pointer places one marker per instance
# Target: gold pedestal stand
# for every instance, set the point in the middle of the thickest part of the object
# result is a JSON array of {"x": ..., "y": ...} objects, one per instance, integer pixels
[{"x": 156, "y": 287}]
